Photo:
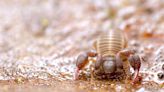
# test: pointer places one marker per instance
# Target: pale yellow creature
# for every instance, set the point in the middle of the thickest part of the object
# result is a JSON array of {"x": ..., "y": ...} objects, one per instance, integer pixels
[{"x": 112, "y": 57}]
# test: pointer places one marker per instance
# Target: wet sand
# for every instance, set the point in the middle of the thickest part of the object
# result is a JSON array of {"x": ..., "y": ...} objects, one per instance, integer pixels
[{"x": 40, "y": 41}]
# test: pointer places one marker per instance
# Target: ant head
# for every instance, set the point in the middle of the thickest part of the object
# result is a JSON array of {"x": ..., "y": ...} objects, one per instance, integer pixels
[{"x": 109, "y": 65}]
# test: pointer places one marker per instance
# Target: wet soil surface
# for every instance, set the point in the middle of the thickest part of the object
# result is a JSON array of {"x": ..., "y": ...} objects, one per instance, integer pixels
[{"x": 40, "y": 41}]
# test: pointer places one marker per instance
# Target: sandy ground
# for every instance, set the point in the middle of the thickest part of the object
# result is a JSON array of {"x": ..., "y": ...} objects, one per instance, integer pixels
[{"x": 40, "y": 40}]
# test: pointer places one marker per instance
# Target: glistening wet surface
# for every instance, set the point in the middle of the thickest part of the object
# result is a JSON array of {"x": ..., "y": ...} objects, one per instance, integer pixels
[{"x": 40, "y": 41}]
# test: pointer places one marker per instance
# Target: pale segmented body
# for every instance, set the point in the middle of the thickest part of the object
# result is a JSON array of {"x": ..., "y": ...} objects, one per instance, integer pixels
[
  {"x": 112, "y": 59},
  {"x": 110, "y": 44}
]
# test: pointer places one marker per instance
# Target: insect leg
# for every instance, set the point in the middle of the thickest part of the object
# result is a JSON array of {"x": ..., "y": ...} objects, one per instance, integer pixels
[{"x": 82, "y": 61}]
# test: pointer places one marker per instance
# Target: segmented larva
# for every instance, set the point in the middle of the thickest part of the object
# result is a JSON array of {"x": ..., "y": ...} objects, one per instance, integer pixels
[{"x": 110, "y": 44}]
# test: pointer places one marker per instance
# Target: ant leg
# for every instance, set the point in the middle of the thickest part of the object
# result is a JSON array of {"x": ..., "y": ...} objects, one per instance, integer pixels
[
  {"x": 121, "y": 60},
  {"x": 135, "y": 62},
  {"x": 82, "y": 61}
]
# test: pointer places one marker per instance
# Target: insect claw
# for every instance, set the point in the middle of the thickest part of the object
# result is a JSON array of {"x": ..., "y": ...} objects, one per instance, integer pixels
[{"x": 76, "y": 77}]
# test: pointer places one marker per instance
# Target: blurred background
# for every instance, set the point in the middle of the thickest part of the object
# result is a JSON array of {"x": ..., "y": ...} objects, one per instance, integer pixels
[{"x": 40, "y": 39}]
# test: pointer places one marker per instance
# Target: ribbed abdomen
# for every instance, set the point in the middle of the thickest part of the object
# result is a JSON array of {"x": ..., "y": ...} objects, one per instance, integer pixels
[{"x": 110, "y": 44}]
